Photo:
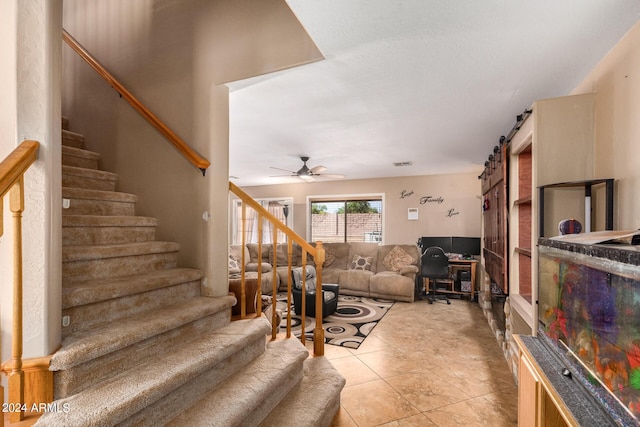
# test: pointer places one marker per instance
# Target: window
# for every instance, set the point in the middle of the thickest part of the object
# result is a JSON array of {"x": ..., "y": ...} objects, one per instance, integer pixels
[
  {"x": 280, "y": 208},
  {"x": 352, "y": 219}
]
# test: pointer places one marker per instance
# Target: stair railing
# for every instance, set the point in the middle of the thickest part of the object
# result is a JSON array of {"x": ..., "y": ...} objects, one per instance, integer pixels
[
  {"x": 12, "y": 170},
  {"x": 189, "y": 153},
  {"x": 318, "y": 254}
]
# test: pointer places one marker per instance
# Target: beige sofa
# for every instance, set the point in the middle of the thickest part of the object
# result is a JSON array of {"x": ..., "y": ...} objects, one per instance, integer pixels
[{"x": 361, "y": 269}]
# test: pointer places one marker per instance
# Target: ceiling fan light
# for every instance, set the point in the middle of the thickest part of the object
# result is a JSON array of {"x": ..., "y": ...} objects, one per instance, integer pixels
[{"x": 307, "y": 178}]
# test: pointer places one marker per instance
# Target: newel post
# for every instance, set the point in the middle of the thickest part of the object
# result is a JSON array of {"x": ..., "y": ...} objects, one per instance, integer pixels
[{"x": 318, "y": 332}]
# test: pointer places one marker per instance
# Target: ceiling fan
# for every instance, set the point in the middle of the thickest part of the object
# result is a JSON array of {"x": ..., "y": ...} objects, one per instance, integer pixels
[{"x": 309, "y": 174}]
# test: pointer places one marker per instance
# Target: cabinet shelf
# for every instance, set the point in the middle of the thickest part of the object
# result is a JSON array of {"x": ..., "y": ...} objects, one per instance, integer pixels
[
  {"x": 523, "y": 201},
  {"x": 524, "y": 251},
  {"x": 586, "y": 184}
]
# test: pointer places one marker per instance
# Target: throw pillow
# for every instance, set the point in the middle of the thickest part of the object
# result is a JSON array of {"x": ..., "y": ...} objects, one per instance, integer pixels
[
  {"x": 361, "y": 262},
  {"x": 234, "y": 265},
  {"x": 329, "y": 257},
  {"x": 397, "y": 258}
]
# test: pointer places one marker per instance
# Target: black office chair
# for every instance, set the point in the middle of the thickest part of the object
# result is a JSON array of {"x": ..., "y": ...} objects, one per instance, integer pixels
[{"x": 435, "y": 266}]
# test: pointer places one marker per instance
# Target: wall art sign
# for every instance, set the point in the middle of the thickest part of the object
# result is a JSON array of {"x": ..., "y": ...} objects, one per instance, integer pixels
[
  {"x": 452, "y": 212},
  {"x": 404, "y": 194},
  {"x": 430, "y": 199}
]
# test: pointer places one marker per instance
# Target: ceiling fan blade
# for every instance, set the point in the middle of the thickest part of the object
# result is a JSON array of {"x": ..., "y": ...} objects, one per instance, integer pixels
[
  {"x": 280, "y": 169},
  {"x": 317, "y": 169},
  {"x": 332, "y": 175}
]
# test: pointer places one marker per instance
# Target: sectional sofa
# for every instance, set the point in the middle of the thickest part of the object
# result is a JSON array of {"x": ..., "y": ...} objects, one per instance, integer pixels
[{"x": 361, "y": 269}]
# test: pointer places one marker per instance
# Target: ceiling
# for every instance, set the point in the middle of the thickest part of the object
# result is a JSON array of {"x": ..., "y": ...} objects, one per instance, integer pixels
[{"x": 431, "y": 82}]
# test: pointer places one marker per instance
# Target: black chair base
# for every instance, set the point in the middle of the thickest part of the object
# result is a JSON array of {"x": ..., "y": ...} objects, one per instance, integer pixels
[{"x": 433, "y": 298}]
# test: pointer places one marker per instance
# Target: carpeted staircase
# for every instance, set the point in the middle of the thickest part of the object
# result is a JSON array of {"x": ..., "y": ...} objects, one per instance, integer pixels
[{"x": 142, "y": 346}]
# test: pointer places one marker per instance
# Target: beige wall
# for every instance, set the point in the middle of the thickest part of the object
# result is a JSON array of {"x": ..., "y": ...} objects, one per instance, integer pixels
[
  {"x": 30, "y": 109},
  {"x": 171, "y": 55},
  {"x": 459, "y": 192},
  {"x": 616, "y": 84}
]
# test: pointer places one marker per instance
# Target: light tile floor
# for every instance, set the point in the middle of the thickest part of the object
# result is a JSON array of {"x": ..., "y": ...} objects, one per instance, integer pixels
[{"x": 426, "y": 365}]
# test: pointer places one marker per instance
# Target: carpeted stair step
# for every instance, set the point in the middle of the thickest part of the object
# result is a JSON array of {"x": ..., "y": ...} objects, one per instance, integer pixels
[
  {"x": 247, "y": 397},
  {"x": 91, "y": 179},
  {"x": 96, "y": 202},
  {"x": 84, "y": 263},
  {"x": 112, "y": 310},
  {"x": 72, "y": 139},
  {"x": 65, "y": 123},
  {"x": 88, "y": 357},
  {"x": 314, "y": 402},
  {"x": 129, "y": 392},
  {"x": 94, "y": 291},
  {"x": 77, "y": 157},
  {"x": 99, "y": 229},
  {"x": 80, "y": 377}
]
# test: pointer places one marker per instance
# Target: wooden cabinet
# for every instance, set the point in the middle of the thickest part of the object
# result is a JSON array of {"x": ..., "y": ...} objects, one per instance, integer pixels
[
  {"x": 528, "y": 394},
  {"x": 554, "y": 144},
  {"x": 494, "y": 190},
  {"x": 537, "y": 405},
  {"x": 548, "y": 394}
]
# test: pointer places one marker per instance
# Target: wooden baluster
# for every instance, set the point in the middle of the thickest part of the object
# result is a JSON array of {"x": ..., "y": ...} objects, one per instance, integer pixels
[
  {"x": 243, "y": 292},
  {"x": 274, "y": 317},
  {"x": 258, "y": 301},
  {"x": 1, "y": 387},
  {"x": 15, "y": 381},
  {"x": 318, "y": 332},
  {"x": 303, "y": 300}
]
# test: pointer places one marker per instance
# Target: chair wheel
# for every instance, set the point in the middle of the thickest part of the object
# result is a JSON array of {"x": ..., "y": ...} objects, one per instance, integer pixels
[{"x": 448, "y": 302}]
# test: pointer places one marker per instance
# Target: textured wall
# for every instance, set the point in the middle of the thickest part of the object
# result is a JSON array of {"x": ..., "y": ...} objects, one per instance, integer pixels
[{"x": 33, "y": 104}]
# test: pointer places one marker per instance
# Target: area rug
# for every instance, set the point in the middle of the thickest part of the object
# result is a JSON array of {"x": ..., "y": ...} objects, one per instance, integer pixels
[{"x": 352, "y": 322}]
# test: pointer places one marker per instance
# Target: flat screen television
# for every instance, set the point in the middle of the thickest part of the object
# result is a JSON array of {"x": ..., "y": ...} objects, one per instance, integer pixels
[{"x": 453, "y": 245}]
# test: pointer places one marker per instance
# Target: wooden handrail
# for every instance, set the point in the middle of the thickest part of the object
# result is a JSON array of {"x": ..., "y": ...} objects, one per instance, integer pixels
[
  {"x": 317, "y": 252},
  {"x": 189, "y": 153},
  {"x": 15, "y": 165},
  {"x": 12, "y": 170}
]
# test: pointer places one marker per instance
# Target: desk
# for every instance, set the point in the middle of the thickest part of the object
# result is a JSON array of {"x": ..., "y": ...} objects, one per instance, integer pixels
[{"x": 471, "y": 264}]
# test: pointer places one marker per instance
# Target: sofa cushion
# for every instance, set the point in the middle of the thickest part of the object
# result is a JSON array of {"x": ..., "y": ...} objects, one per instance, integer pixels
[
  {"x": 360, "y": 262},
  {"x": 253, "y": 252},
  {"x": 354, "y": 280},
  {"x": 339, "y": 253},
  {"x": 397, "y": 258},
  {"x": 282, "y": 255},
  {"x": 253, "y": 266},
  {"x": 329, "y": 256},
  {"x": 393, "y": 286},
  {"x": 331, "y": 275}
]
